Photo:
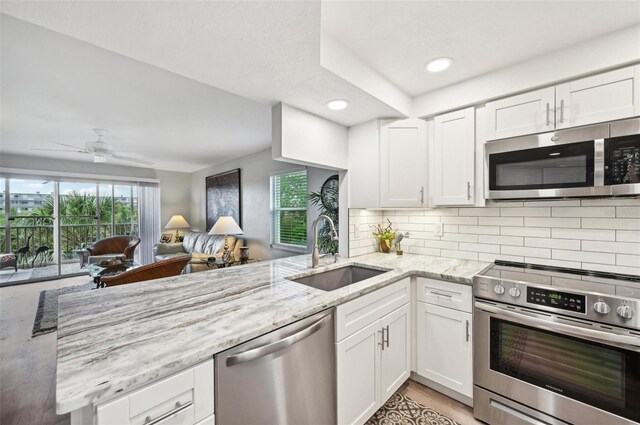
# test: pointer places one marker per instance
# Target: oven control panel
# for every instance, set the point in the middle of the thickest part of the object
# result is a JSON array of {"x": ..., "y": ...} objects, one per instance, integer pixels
[{"x": 556, "y": 299}]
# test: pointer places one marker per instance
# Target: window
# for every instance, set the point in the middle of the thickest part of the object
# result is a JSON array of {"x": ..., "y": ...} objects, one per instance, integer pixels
[{"x": 289, "y": 210}]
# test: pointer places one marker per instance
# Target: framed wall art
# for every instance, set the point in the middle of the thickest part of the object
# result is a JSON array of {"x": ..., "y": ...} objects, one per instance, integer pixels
[{"x": 223, "y": 197}]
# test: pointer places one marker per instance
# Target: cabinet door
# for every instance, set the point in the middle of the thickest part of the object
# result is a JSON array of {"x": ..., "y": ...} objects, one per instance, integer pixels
[
  {"x": 395, "y": 363},
  {"x": 403, "y": 164},
  {"x": 444, "y": 347},
  {"x": 454, "y": 158},
  {"x": 527, "y": 113},
  {"x": 357, "y": 364},
  {"x": 609, "y": 96}
]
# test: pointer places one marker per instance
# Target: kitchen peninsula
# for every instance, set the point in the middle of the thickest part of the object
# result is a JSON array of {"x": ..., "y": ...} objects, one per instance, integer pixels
[{"x": 114, "y": 341}]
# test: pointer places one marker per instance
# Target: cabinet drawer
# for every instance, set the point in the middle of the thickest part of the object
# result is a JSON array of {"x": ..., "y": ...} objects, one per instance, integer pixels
[
  {"x": 358, "y": 313},
  {"x": 183, "y": 398},
  {"x": 445, "y": 294}
]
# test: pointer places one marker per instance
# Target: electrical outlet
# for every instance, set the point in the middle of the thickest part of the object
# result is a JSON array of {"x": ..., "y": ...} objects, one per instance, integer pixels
[{"x": 437, "y": 229}]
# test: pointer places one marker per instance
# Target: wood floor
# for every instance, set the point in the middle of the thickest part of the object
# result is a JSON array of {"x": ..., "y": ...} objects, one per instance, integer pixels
[{"x": 27, "y": 365}]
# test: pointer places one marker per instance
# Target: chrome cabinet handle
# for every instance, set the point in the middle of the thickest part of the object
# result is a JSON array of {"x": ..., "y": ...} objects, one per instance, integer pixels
[
  {"x": 179, "y": 407},
  {"x": 561, "y": 111},
  {"x": 273, "y": 347},
  {"x": 442, "y": 294},
  {"x": 387, "y": 328},
  {"x": 548, "y": 112},
  {"x": 422, "y": 195},
  {"x": 467, "y": 331},
  {"x": 468, "y": 191},
  {"x": 382, "y": 343}
]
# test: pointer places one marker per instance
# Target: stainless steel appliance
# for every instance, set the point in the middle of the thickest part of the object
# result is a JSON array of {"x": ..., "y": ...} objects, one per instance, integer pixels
[
  {"x": 284, "y": 377},
  {"x": 549, "y": 350},
  {"x": 598, "y": 160}
]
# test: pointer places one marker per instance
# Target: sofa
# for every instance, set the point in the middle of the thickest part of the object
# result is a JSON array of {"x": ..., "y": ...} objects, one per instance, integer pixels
[
  {"x": 200, "y": 246},
  {"x": 110, "y": 248}
]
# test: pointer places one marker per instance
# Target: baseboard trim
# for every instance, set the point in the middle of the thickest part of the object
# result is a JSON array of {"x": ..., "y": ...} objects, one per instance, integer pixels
[{"x": 442, "y": 389}]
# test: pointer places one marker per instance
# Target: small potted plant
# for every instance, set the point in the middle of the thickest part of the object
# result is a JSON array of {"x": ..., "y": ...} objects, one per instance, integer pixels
[{"x": 385, "y": 236}]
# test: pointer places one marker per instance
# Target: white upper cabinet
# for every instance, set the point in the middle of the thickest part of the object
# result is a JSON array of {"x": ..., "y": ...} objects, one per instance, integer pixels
[
  {"x": 403, "y": 163},
  {"x": 609, "y": 96},
  {"x": 528, "y": 113},
  {"x": 454, "y": 158}
]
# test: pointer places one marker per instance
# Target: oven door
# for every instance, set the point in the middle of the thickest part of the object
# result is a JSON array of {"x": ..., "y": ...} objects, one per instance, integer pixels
[
  {"x": 573, "y": 370},
  {"x": 560, "y": 164}
]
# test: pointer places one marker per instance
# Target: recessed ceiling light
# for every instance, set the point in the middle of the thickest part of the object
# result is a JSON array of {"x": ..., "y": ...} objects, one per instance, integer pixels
[
  {"x": 337, "y": 104},
  {"x": 438, "y": 65}
]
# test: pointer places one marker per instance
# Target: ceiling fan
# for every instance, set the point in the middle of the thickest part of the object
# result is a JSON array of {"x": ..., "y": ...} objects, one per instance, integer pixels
[{"x": 98, "y": 148}]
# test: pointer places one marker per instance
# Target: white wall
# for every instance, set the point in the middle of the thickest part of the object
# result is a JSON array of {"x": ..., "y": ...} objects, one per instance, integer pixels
[
  {"x": 174, "y": 193},
  {"x": 255, "y": 171},
  {"x": 594, "y": 234},
  {"x": 303, "y": 138}
]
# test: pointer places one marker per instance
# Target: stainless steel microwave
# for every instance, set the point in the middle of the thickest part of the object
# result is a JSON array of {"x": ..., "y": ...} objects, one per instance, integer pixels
[{"x": 598, "y": 160}]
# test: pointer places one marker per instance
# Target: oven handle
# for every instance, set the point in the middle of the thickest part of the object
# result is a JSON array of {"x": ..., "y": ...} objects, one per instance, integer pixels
[{"x": 548, "y": 325}]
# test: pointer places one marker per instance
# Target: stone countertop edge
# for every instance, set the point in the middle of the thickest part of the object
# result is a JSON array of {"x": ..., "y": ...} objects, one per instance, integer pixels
[{"x": 115, "y": 340}]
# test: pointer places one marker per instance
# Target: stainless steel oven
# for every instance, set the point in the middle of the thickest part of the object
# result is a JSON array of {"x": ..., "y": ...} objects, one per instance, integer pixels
[
  {"x": 545, "y": 354},
  {"x": 598, "y": 160}
]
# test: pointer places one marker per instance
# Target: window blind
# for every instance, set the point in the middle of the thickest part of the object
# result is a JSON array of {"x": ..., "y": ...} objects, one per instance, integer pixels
[{"x": 289, "y": 209}]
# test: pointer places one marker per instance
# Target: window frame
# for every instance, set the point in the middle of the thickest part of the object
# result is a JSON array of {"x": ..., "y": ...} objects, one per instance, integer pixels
[{"x": 274, "y": 213}]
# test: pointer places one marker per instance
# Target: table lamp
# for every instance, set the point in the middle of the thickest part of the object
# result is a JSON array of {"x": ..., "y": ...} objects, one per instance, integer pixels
[
  {"x": 226, "y": 226},
  {"x": 177, "y": 222}
]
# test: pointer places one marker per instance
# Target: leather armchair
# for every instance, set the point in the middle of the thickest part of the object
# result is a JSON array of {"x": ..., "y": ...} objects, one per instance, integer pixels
[
  {"x": 160, "y": 269},
  {"x": 117, "y": 245}
]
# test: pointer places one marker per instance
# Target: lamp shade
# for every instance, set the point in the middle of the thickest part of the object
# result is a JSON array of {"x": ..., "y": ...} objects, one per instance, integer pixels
[
  {"x": 225, "y": 225},
  {"x": 177, "y": 222}
]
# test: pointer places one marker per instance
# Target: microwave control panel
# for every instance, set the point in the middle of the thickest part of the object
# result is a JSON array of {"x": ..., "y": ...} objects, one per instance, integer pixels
[
  {"x": 556, "y": 299},
  {"x": 624, "y": 162}
]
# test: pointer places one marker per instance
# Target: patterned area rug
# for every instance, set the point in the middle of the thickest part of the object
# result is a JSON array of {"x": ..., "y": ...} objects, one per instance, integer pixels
[
  {"x": 401, "y": 410},
  {"x": 47, "y": 313}
]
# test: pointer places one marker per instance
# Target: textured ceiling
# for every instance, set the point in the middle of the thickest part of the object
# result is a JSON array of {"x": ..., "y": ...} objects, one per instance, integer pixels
[{"x": 397, "y": 38}]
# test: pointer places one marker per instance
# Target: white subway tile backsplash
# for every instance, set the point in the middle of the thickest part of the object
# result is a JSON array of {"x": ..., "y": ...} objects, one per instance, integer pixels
[
  {"x": 628, "y": 260},
  {"x": 594, "y": 235},
  {"x": 526, "y": 212},
  {"x": 584, "y": 256},
  {"x": 584, "y": 211},
  {"x": 460, "y": 220},
  {"x": 500, "y": 221},
  {"x": 526, "y": 251},
  {"x": 597, "y": 234},
  {"x": 628, "y": 212},
  {"x": 501, "y": 240},
  {"x": 627, "y": 236},
  {"x": 609, "y": 223},
  {"x": 479, "y": 247},
  {"x": 617, "y": 247},
  {"x": 552, "y": 222},
  {"x": 553, "y": 243},
  {"x": 536, "y": 232},
  {"x": 479, "y": 230}
]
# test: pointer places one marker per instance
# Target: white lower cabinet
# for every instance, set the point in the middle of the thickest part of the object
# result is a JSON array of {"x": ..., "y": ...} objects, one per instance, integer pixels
[
  {"x": 185, "y": 398},
  {"x": 444, "y": 347},
  {"x": 373, "y": 362}
]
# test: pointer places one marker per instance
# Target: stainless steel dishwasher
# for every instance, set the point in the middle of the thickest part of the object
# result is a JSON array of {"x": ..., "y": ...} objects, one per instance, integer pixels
[{"x": 284, "y": 377}]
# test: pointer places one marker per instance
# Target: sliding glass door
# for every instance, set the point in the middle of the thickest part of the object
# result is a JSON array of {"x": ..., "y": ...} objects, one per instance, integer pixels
[{"x": 47, "y": 224}]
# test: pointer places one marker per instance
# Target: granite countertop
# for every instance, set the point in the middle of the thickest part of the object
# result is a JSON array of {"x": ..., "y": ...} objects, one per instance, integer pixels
[{"x": 114, "y": 340}]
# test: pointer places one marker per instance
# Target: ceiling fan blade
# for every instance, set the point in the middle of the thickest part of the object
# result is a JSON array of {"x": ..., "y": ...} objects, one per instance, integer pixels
[
  {"x": 58, "y": 150},
  {"x": 68, "y": 145},
  {"x": 125, "y": 158}
]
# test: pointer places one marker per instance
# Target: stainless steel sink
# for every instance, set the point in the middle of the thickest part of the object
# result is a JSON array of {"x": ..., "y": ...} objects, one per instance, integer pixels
[{"x": 338, "y": 278}]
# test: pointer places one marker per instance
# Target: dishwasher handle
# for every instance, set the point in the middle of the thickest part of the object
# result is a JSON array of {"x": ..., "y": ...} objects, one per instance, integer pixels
[{"x": 273, "y": 347}]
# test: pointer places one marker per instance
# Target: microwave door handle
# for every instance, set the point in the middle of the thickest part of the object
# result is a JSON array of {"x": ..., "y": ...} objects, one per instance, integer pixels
[{"x": 548, "y": 325}]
